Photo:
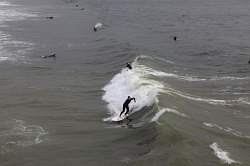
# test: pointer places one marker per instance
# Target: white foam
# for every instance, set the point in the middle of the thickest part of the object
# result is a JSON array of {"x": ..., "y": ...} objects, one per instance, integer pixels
[
  {"x": 244, "y": 100},
  {"x": 172, "y": 91},
  {"x": 221, "y": 154},
  {"x": 4, "y": 3},
  {"x": 10, "y": 12},
  {"x": 176, "y": 112},
  {"x": 4, "y": 58},
  {"x": 21, "y": 135},
  {"x": 130, "y": 83},
  {"x": 216, "y": 78},
  {"x": 182, "y": 77},
  {"x": 158, "y": 73},
  {"x": 158, "y": 115},
  {"x": 226, "y": 129},
  {"x": 17, "y": 14},
  {"x": 208, "y": 100},
  {"x": 163, "y": 110},
  {"x": 152, "y": 72}
]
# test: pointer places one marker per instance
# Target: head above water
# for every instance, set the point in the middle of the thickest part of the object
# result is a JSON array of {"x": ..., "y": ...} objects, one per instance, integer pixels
[{"x": 129, "y": 97}]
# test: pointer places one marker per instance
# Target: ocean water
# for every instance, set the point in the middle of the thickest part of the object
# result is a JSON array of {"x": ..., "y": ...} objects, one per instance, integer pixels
[{"x": 192, "y": 95}]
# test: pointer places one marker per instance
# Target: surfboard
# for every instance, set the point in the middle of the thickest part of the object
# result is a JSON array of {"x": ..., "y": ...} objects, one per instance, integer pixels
[{"x": 122, "y": 120}]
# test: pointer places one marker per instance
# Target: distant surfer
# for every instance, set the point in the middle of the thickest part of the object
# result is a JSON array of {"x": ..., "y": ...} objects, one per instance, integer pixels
[
  {"x": 97, "y": 26},
  {"x": 249, "y": 61},
  {"x": 129, "y": 66},
  {"x": 175, "y": 38},
  {"x": 50, "y": 17},
  {"x": 126, "y": 105},
  {"x": 52, "y": 55}
]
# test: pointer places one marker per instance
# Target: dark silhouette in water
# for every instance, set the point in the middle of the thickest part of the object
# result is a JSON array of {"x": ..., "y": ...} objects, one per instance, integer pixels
[
  {"x": 249, "y": 61},
  {"x": 95, "y": 29},
  {"x": 126, "y": 105},
  {"x": 52, "y": 55},
  {"x": 50, "y": 17},
  {"x": 129, "y": 66},
  {"x": 175, "y": 38}
]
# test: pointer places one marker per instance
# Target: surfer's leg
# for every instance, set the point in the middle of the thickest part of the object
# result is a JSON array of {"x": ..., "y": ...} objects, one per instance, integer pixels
[
  {"x": 123, "y": 109},
  {"x": 127, "y": 108}
]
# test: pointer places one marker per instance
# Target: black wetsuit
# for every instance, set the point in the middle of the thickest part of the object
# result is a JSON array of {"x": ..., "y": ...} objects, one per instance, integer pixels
[
  {"x": 129, "y": 66},
  {"x": 125, "y": 105}
]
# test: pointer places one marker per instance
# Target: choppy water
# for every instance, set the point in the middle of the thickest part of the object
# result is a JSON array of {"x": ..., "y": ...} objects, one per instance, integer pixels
[{"x": 192, "y": 95}]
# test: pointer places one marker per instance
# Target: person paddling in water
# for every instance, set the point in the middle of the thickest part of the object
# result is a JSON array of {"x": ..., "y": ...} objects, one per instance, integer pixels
[
  {"x": 125, "y": 105},
  {"x": 129, "y": 66}
]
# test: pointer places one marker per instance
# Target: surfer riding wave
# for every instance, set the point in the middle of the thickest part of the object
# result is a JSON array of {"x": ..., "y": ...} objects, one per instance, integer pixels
[{"x": 130, "y": 82}]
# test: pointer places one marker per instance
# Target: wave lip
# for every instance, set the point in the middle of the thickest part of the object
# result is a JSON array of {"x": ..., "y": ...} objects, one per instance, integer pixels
[{"x": 221, "y": 154}]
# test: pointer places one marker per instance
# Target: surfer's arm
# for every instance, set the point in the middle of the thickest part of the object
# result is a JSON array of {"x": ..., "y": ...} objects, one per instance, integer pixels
[{"x": 134, "y": 99}]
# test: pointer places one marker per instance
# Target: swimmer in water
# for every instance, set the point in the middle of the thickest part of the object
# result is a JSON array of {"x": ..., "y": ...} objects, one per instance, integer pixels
[{"x": 129, "y": 66}]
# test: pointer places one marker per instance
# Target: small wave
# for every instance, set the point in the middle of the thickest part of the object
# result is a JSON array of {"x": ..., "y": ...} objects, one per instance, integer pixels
[
  {"x": 172, "y": 91},
  {"x": 158, "y": 73},
  {"x": 189, "y": 78},
  {"x": 152, "y": 58},
  {"x": 163, "y": 110},
  {"x": 176, "y": 112},
  {"x": 158, "y": 115},
  {"x": 15, "y": 15},
  {"x": 152, "y": 72},
  {"x": 4, "y": 58},
  {"x": 221, "y": 154},
  {"x": 228, "y": 78},
  {"x": 243, "y": 100},
  {"x": 10, "y": 49},
  {"x": 227, "y": 129},
  {"x": 4, "y": 3},
  {"x": 20, "y": 135}
]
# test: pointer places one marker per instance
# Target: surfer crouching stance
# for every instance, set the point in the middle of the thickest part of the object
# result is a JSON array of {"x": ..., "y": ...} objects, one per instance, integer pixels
[{"x": 125, "y": 105}]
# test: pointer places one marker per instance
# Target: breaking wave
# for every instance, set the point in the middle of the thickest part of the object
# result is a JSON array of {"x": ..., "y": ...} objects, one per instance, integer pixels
[
  {"x": 130, "y": 83},
  {"x": 142, "y": 83}
]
